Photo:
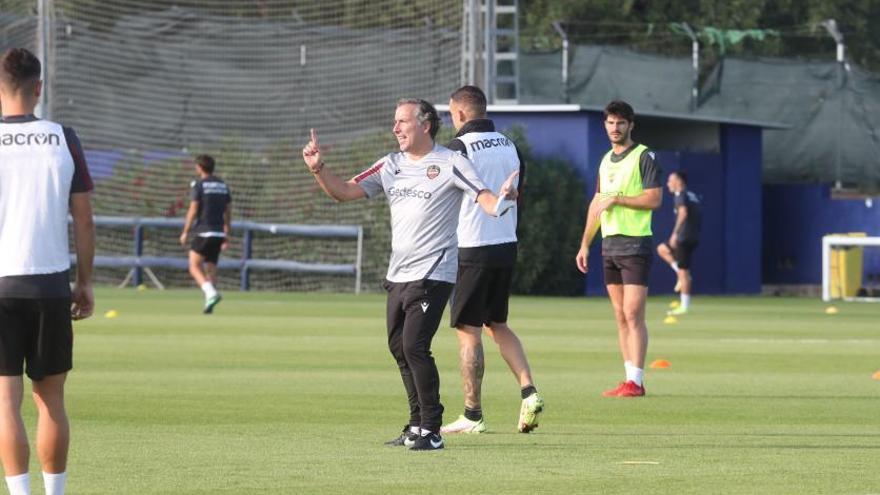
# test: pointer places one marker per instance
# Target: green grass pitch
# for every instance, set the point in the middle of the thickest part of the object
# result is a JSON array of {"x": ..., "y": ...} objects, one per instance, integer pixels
[{"x": 295, "y": 394}]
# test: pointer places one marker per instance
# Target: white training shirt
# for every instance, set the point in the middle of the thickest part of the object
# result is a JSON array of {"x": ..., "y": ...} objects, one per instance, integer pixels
[
  {"x": 41, "y": 163},
  {"x": 494, "y": 157},
  {"x": 425, "y": 197}
]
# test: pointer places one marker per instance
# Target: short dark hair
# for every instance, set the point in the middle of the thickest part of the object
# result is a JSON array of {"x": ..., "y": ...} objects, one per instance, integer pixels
[
  {"x": 426, "y": 113},
  {"x": 473, "y": 98},
  {"x": 620, "y": 108},
  {"x": 19, "y": 68},
  {"x": 681, "y": 175},
  {"x": 206, "y": 162}
]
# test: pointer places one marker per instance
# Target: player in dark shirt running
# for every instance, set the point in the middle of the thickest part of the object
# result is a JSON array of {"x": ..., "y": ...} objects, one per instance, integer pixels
[
  {"x": 684, "y": 238},
  {"x": 208, "y": 217}
]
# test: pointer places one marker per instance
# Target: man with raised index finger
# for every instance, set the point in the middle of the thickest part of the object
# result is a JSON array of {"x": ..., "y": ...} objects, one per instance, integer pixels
[{"x": 424, "y": 183}]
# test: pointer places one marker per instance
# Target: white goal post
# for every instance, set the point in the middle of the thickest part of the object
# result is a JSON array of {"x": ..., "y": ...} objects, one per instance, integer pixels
[{"x": 830, "y": 242}]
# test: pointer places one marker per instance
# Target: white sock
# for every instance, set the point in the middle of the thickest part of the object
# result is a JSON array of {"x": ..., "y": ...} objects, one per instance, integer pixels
[
  {"x": 54, "y": 483},
  {"x": 209, "y": 290},
  {"x": 426, "y": 432},
  {"x": 627, "y": 366},
  {"x": 674, "y": 266},
  {"x": 635, "y": 375},
  {"x": 415, "y": 429},
  {"x": 685, "y": 301},
  {"x": 19, "y": 484}
]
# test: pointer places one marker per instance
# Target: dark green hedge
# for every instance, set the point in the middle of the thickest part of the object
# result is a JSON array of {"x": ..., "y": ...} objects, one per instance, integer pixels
[{"x": 551, "y": 225}]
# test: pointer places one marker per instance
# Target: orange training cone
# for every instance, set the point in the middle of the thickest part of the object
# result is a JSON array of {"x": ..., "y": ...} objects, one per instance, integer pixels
[
  {"x": 660, "y": 364},
  {"x": 876, "y": 375}
]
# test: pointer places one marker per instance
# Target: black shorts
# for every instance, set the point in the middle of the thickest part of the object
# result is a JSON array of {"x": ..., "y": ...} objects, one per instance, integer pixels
[
  {"x": 208, "y": 247},
  {"x": 683, "y": 254},
  {"x": 627, "y": 270},
  {"x": 36, "y": 331},
  {"x": 481, "y": 295}
]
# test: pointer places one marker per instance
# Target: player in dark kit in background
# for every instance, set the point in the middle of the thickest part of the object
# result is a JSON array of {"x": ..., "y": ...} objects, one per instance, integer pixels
[
  {"x": 208, "y": 217},
  {"x": 424, "y": 184},
  {"x": 486, "y": 259},
  {"x": 43, "y": 177},
  {"x": 679, "y": 251}
]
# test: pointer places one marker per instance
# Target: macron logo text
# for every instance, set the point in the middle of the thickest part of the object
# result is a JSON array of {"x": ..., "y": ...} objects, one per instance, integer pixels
[
  {"x": 489, "y": 143},
  {"x": 31, "y": 139}
]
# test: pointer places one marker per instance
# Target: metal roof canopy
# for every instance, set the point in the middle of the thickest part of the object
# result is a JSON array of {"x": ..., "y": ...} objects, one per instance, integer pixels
[{"x": 689, "y": 117}]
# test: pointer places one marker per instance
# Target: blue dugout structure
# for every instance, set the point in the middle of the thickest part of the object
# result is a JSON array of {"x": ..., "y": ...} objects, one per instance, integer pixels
[{"x": 723, "y": 161}]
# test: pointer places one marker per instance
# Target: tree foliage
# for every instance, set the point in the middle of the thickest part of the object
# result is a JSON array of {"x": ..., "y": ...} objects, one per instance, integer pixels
[{"x": 643, "y": 23}]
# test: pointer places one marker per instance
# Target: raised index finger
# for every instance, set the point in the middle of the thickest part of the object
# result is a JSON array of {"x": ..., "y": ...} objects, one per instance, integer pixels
[{"x": 314, "y": 136}]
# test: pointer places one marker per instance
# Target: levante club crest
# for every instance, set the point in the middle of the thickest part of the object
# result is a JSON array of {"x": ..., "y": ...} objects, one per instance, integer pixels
[{"x": 433, "y": 171}]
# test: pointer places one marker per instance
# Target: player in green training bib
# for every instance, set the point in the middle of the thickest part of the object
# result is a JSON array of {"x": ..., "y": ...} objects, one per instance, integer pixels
[{"x": 628, "y": 190}]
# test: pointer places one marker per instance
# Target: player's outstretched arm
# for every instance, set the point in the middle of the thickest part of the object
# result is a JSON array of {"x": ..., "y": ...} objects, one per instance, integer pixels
[
  {"x": 336, "y": 188},
  {"x": 597, "y": 206},
  {"x": 506, "y": 199},
  {"x": 191, "y": 213},
  {"x": 649, "y": 199},
  {"x": 82, "y": 298}
]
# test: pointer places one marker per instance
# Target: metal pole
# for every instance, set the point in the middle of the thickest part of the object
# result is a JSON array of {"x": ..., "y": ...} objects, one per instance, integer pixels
[
  {"x": 830, "y": 25},
  {"x": 558, "y": 27},
  {"x": 138, "y": 251},
  {"x": 489, "y": 51},
  {"x": 473, "y": 12},
  {"x": 695, "y": 64},
  {"x": 826, "y": 269},
  {"x": 247, "y": 252},
  {"x": 360, "y": 255},
  {"x": 43, "y": 26}
]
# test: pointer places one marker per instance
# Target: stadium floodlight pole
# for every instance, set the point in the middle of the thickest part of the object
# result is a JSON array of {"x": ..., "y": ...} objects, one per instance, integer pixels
[
  {"x": 695, "y": 58},
  {"x": 562, "y": 34},
  {"x": 830, "y": 25}
]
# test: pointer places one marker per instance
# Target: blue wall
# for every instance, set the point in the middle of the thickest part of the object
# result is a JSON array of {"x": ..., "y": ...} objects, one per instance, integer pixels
[
  {"x": 795, "y": 219},
  {"x": 728, "y": 260}
]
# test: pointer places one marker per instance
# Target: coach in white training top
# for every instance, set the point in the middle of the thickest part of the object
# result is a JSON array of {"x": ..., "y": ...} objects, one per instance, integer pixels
[
  {"x": 43, "y": 176},
  {"x": 424, "y": 184},
  {"x": 486, "y": 259}
]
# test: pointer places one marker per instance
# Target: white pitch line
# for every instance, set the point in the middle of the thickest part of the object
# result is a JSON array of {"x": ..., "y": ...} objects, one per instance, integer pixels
[
  {"x": 637, "y": 463},
  {"x": 801, "y": 341}
]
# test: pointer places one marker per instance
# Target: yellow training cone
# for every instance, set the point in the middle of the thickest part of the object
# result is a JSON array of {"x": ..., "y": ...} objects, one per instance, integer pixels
[
  {"x": 670, "y": 320},
  {"x": 876, "y": 375},
  {"x": 673, "y": 304},
  {"x": 111, "y": 314},
  {"x": 660, "y": 364},
  {"x": 830, "y": 310}
]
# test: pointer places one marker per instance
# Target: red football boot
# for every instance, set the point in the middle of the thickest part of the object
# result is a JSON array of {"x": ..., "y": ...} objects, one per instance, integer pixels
[
  {"x": 615, "y": 392},
  {"x": 630, "y": 389}
]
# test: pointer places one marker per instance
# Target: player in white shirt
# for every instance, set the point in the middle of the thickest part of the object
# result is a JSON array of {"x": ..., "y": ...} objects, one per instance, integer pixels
[
  {"x": 486, "y": 259},
  {"x": 43, "y": 177},
  {"x": 424, "y": 184}
]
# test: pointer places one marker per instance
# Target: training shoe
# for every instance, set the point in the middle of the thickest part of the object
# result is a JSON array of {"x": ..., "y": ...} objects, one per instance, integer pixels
[
  {"x": 677, "y": 311},
  {"x": 464, "y": 425},
  {"x": 529, "y": 411},
  {"x": 406, "y": 439},
  {"x": 431, "y": 441},
  {"x": 210, "y": 303},
  {"x": 630, "y": 389},
  {"x": 614, "y": 392}
]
